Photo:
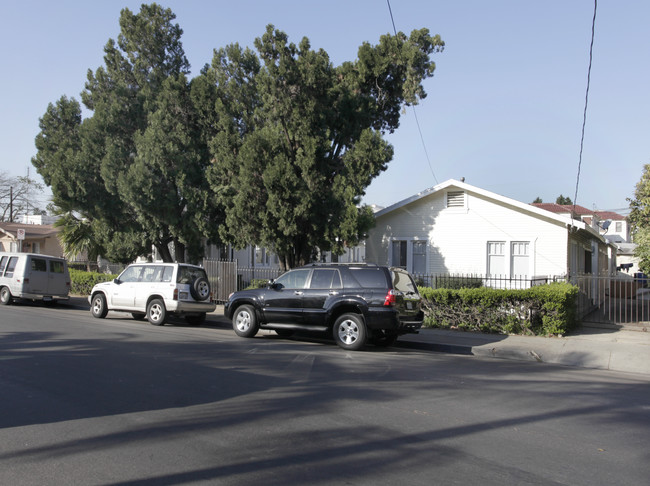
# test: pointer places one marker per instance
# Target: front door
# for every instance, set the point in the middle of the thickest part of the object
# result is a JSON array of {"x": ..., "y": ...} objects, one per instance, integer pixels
[{"x": 283, "y": 301}]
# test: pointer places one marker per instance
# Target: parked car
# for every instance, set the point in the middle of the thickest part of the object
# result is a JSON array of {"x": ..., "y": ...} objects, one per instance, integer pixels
[
  {"x": 356, "y": 303},
  {"x": 155, "y": 291},
  {"x": 33, "y": 276}
]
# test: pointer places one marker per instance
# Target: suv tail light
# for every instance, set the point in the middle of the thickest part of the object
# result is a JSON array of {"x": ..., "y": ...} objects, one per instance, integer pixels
[
  {"x": 175, "y": 294},
  {"x": 390, "y": 297}
]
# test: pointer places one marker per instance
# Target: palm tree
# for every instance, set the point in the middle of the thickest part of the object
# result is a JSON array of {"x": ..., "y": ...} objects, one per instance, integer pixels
[{"x": 77, "y": 237}]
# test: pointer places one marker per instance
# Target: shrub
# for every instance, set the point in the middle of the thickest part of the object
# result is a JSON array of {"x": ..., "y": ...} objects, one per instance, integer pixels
[
  {"x": 82, "y": 282},
  {"x": 541, "y": 310},
  {"x": 257, "y": 283}
]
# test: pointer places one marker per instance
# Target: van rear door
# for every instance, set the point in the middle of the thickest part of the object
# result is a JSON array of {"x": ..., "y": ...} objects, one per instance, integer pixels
[
  {"x": 36, "y": 276},
  {"x": 58, "y": 280}
]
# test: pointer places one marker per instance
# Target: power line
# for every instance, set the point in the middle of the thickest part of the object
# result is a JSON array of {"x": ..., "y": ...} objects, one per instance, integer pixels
[
  {"x": 584, "y": 115},
  {"x": 417, "y": 122}
]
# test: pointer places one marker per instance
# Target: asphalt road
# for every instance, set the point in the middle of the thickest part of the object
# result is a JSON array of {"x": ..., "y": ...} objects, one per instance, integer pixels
[{"x": 117, "y": 401}]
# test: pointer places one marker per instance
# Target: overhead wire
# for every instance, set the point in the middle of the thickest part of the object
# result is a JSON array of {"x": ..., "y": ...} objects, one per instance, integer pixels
[
  {"x": 584, "y": 115},
  {"x": 417, "y": 122}
]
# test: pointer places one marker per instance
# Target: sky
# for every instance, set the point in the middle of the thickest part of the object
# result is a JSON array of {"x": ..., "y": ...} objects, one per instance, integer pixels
[{"x": 504, "y": 108}]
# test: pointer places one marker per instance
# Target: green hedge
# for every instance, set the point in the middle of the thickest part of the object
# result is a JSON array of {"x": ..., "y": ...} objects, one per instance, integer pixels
[
  {"x": 81, "y": 282},
  {"x": 541, "y": 310}
]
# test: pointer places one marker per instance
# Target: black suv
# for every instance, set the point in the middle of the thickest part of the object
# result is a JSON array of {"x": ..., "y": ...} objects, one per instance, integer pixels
[{"x": 357, "y": 303}]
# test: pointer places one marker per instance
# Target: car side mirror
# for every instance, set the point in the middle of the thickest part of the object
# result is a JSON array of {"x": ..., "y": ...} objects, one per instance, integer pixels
[{"x": 117, "y": 281}]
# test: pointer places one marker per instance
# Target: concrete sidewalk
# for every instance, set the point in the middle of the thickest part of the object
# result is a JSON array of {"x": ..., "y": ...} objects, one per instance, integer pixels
[{"x": 609, "y": 348}]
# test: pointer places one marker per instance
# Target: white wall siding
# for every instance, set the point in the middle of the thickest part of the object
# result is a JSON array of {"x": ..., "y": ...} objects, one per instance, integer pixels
[{"x": 458, "y": 237}]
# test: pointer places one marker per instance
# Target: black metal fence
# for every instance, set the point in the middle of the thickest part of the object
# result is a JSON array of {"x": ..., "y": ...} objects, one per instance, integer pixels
[
  {"x": 619, "y": 300},
  {"x": 460, "y": 280},
  {"x": 227, "y": 277}
]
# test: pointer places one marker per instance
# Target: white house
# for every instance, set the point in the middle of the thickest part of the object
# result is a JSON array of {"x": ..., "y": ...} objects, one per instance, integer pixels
[{"x": 458, "y": 228}]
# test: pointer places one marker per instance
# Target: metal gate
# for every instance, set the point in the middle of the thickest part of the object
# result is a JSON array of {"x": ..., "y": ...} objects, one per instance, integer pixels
[
  {"x": 227, "y": 277},
  {"x": 222, "y": 277},
  {"x": 618, "y": 301}
]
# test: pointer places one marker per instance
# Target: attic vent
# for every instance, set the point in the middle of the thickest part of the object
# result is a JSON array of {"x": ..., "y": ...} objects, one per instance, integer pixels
[{"x": 456, "y": 199}]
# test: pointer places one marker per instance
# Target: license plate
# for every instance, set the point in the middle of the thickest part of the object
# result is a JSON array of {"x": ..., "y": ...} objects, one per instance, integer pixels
[{"x": 409, "y": 305}]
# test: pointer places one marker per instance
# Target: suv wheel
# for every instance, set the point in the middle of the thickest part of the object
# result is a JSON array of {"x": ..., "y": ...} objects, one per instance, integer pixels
[
  {"x": 5, "y": 296},
  {"x": 200, "y": 289},
  {"x": 156, "y": 312},
  {"x": 98, "y": 307},
  {"x": 244, "y": 321},
  {"x": 350, "y": 332}
]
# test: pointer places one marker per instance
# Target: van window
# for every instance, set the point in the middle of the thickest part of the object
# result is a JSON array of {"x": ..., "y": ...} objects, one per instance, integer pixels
[
  {"x": 56, "y": 266},
  {"x": 3, "y": 264},
  {"x": 39, "y": 265},
  {"x": 11, "y": 266}
]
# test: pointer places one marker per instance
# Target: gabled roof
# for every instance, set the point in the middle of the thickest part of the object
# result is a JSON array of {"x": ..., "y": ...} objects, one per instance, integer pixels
[
  {"x": 31, "y": 230},
  {"x": 532, "y": 209}
]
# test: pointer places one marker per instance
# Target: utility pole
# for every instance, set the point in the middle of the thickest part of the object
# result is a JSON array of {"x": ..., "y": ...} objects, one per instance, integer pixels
[{"x": 11, "y": 204}]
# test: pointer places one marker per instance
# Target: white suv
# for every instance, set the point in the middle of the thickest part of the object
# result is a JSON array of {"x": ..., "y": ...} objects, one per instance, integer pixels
[{"x": 155, "y": 291}]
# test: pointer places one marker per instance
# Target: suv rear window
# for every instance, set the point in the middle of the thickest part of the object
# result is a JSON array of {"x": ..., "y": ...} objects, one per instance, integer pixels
[
  {"x": 370, "y": 278},
  {"x": 403, "y": 282},
  {"x": 189, "y": 274}
]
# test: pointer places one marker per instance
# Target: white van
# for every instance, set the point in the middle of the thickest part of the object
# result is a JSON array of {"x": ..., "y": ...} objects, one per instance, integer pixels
[{"x": 34, "y": 277}]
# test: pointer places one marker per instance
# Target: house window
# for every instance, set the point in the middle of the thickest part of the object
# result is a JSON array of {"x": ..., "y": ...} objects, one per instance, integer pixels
[
  {"x": 261, "y": 257},
  {"x": 496, "y": 258},
  {"x": 36, "y": 247},
  {"x": 419, "y": 257},
  {"x": 619, "y": 226},
  {"x": 399, "y": 254},
  {"x": 520, "y": 260},
  {"x": 410, "y": 255},
  {"x": 456, "y": 199}
]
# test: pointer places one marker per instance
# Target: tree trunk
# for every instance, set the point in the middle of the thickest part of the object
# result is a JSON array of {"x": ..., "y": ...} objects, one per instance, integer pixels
[{"x": 165, "y": 254}]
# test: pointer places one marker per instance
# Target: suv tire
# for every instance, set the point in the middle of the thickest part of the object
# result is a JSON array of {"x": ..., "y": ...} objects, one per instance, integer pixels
[
  {"x": 98, "y": 307},
  {"x": 156, "y": 312},
  {"x": 350, "y": 332},
  {"x": 200, "y": 289},
  {"x": 244, "y": 321}
]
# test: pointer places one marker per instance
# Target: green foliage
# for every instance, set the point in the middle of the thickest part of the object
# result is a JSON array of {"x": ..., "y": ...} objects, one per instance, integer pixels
[
  {"x": 540, "y": 310},
  {"x": 563, "y": 200},
  {"x": 257, "y": 283},
  {"x": 134, "y": 170},
  {"x": 301, "y": 139},
  {"x": 273, "y": 148},
  {"x": 81, "y": 283},
  {"x": 640, "y": 219}
]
